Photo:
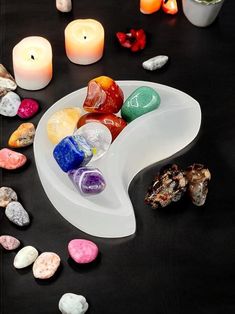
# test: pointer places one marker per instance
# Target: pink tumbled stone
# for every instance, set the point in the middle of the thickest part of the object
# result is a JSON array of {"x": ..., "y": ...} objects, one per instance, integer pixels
[
  {"x": 46, "y": 265},
  {"x": 28, "y": 108},
  {"x": 10, "y": 159},
  {"x": 9, "y": 243},
  {"x": 82, "y": 251}
]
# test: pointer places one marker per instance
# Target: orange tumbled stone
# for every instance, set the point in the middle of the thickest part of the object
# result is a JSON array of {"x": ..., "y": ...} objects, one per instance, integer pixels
[
  {"x": 11, "y": 160},
  {"x": 103, "y": 96},
  {"x": 23, "y": 136},
  {"x": 170, "y": 6}
]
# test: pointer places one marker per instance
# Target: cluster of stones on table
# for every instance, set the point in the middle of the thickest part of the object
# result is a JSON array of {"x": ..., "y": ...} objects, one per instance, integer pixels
[
  {"x": 11, "y": 105},
  {"x": 82, "y": 139}
]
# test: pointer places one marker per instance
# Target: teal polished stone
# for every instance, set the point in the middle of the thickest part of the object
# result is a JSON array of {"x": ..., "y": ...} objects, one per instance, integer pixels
[{"x": 144, "y": 99}]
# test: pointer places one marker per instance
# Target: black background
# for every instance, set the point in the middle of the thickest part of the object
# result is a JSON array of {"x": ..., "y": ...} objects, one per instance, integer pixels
[{"x": 182, "y": 258}]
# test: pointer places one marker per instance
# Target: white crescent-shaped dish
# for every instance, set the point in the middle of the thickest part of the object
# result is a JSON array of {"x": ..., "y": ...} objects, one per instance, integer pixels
[{"x": 152, "y": 137}]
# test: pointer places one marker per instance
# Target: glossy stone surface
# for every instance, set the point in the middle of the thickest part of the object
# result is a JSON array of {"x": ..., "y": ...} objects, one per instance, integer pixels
[
  {"x": 9, "y": 104},
  {"x": 155, "y": 63},
  {"x": 64, "y": 5},
  {"x": 103, "y": 96},
  {"x": 72, "y": 152},
  {"x": 62, "y": 123},
  {"x": 170, "y": 6},
  {"x": 71, "y": 303},
  {"x": 46, "y": 265},
  {"x": 7, "y": 82},
  {"x": 198, "y": 177},
  {"x": 25, "y": 257},
  {"x": 87, "y": 180},
  {"x": 7, "y": 195},
  {"x": 9, "y": 243},
  {"x": 168, "y": 186},
  {"x": 16, "y": 213},
  {"x": 22, "y": 136},
  {"x": 11, "y": 160},
  {"x": 28, "y": 108},
  {"x": 82, "y": 251},
  {"x": 143, "y": 100},
  {"x": 97, "y": 136},
  {"x": 113, "y": 123}
]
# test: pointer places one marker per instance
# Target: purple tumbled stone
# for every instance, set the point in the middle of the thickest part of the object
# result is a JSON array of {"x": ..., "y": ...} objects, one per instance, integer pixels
[{"x": 87, "y": 180}]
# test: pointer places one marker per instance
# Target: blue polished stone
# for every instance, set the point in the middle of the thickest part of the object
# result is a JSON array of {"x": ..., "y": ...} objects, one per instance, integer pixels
[{"x": 72, "y": 152}]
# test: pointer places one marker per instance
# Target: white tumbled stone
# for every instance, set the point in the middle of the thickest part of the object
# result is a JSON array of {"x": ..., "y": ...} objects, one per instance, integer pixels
[
  {"x": 155, "y": 63},
  {"x": 64, "y": 5},
  {"x": 71, "y": 303},
  {"x": 25, "y": 257},
  {"x": 9, "y": 104}
]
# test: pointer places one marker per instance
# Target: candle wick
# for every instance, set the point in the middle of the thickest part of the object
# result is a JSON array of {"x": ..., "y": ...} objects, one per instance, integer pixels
[
  {"x": 84, "y": 37},
  {"x": 32, "y": 57}
]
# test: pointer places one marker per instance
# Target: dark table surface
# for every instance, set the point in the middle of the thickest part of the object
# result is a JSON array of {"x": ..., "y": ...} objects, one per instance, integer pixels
[{"x": 181, "y": 259}]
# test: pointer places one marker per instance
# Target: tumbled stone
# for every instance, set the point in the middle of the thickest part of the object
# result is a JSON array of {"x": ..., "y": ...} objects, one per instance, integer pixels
[
  {"x": 87, "y": 180},
  {"x": 143, "y": 100},
  {"x": 103, "y": 96},
  {"x": 62, "y": 123},
  {"x": 7, "y": 82},
  {"x": 97, "y": 136},
  {"x": 198, "y": 177},
  {"x": 46, "y": 265},
  {"x": 25, "y": 257},
  {"x": 170, "y": 6},
  {"x": 28, "y": 108},
  {"x": 9, "y": 104},
  {"x": 22, "y": 136},
  {"x": 168, "y": 186},
  {"x": 9, "y": 243},
  {"x": 64, "y": 5},
  {"x": 82, "y": 251},
  {"x": 11, "y": 160},
  {"x": 16, "y": 213},
  {"x": 155, "y": 63},
  {"x": 72, "y": 152},
  {"x": 71, "y": 303},
  {"x": 7, "y": 195},
  {"x": 113, "y": 123}
]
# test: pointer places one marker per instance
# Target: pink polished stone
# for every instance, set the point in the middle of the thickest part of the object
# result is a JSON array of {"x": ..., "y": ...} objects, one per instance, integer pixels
[
  {"x": 46, "y": 265},
  {"x": 11, "y": 160},
  {"x": 28, "y": 108},
  {"x": 9, "y": 243},
  {"x": 82, "y": 251}
]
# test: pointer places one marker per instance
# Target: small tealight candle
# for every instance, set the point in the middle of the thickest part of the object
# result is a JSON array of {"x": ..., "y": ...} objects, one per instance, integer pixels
[
  {"x": 84, "y": 41},
  {"x": 150, "y": 6},
  {"x": 32, "y": 63}
]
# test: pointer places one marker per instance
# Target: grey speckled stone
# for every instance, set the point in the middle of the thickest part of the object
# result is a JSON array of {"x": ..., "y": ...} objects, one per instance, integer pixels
[
  {"x": 155, "y": 63},
  {"x": 7, "y": 195},
  {"x": 64, "y": 5},
  {"x": 16, "y": 213},
  {"x": 9, "y": 104}
]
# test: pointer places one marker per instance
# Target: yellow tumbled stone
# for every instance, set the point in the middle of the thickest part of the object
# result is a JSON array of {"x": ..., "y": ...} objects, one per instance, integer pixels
[
  {"x": 23, "y": 136},
  {"x": 62, "y": 123}
]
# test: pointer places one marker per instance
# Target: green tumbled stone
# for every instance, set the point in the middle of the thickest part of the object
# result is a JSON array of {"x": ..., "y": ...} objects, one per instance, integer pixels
[{"x": 144, "y": 99}]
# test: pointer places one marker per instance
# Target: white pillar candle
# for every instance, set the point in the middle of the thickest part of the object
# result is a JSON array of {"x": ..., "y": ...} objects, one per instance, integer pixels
[
  {"x": 32, "y": 63},
  {"x": 84, "y": 41}
]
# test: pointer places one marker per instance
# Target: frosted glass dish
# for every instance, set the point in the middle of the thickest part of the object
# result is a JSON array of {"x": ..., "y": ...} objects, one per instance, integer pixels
[{"x": 152, "y": 137}]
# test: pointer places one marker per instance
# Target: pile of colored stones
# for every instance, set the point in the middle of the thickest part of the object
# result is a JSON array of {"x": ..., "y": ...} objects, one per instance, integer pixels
[
  {"x": 172, "y": 183},
  {"x": 10, "y": 106},
  {"x": 80, "y": 140}
]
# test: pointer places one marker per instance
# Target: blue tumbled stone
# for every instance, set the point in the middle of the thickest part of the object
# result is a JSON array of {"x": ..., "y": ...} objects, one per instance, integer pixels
[{"x": 72, "y": 152}]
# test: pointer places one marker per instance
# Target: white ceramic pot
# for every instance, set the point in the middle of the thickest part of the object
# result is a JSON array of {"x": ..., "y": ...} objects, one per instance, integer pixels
[{"x": 200, "y": 12}]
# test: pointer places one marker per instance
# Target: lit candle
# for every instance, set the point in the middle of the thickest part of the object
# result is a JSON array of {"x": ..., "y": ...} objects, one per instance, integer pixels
[
  {"x": 150, "y": 6},
  {"x": 84, "y": 41},
  {"x": 32, "y": 63}
]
